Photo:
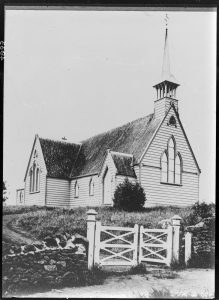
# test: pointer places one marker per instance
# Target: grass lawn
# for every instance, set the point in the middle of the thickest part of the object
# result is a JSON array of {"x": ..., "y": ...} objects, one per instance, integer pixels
[{"x": 41, "y": 222}]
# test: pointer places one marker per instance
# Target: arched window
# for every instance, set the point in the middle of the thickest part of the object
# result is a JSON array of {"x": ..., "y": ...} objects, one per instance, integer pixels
[
  {"x": 76, "y": 189},
  {"x": 171, "y": 164},
  {"x": 35, "y": 154},
  {"x": 34, "y": 178},
  {"x": 91, "y": 187},
  {"x": 31, "y": 180},
  {"x": 178, "y": 168},
  {"x": 171, "y": 160},
  {"x": 37, "y": 179},
  {"x": 164, "y": 167}
]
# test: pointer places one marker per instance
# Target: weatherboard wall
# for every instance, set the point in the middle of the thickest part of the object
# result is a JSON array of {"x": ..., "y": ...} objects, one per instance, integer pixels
[
  {"x": 36, "y": 198},
  {"x": 57, "y": 192},
  {"x": 158, "y": 193},
  {"x": 84, "y": 198},
  {"x": 161, "y": 106}
]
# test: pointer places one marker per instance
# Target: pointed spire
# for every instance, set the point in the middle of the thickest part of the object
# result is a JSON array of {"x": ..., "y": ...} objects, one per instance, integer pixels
[
  {"x": 166, "y": 59},
  {"x": 166, "y": 73}
]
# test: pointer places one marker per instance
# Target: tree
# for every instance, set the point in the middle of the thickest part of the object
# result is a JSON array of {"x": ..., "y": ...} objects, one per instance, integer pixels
[
  {"x": 4, "y": 196},
  {"x": 129, "y": 196}
]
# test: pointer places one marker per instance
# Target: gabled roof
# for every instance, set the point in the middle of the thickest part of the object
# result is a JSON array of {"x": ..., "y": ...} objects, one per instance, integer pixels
[
  {"x": 131, "y": 138},
  {"x": 59, "y": 157},
  {"x": 123, "y": 164}
]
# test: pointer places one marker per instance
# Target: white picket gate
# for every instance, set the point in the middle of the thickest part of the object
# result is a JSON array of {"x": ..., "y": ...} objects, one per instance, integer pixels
[
  {"x": 115, "y": 245},
  {"x": 156, "y": 245}
]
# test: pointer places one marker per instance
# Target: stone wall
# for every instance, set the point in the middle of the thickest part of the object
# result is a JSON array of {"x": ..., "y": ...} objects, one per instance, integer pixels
[
  {"x": 30, "y": 272},
  {"x": 203, "y": 243}
]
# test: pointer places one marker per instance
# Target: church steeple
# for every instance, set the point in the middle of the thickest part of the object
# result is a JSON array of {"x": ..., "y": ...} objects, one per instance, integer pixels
[{"x": 166, "y": 88}]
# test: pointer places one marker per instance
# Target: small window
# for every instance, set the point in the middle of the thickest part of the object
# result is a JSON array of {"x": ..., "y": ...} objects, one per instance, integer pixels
[
  {"x": 37, "y": 179},
  {"x": 31, "y": 180},
  {"x": 76, "y": 190},
  {"x": 35, "y": 154},
  {"x": 91, "y": 187},
  {"x": 172, "y": 121}
]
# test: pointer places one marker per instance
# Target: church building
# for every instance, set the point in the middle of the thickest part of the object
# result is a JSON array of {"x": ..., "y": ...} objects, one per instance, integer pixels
[{"x": 153, "y": 150}]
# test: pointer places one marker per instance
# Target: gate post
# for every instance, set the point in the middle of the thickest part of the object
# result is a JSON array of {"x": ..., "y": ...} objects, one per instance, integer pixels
[
  {"x": 176, "y": 229},
  {"x": 91, "y": 222},
  {"x": 188, "y": 247}
]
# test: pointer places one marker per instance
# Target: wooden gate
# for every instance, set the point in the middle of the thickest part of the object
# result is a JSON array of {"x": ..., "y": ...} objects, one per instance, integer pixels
[
  {"x": 156, "y": 245},
  {"x": 115, "y": 245}
]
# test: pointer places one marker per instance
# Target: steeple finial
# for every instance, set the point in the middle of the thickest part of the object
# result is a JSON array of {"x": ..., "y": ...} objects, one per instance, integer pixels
[
  {"x": 166, "y": 59},
  {"x": 166, "y": 20}
]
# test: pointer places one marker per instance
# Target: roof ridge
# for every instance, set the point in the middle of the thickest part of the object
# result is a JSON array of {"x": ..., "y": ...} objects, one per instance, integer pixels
[
  {"x": 110, "y": 130},
  {"x": 59, "y": 141},
  {"x": 122, "y": 153}
]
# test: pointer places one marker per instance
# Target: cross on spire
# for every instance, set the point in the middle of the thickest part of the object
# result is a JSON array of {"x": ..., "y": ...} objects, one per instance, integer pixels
[{"x": 166, "y": 20}]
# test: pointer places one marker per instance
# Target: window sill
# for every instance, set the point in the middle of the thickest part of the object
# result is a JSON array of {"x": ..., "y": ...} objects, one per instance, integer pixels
[
  {"x": 168, "y": 183},
  {"x": 35, "y": 192}
]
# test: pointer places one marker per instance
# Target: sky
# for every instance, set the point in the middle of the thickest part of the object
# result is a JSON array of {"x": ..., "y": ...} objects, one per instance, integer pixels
[{"x": 77, "y": 73}]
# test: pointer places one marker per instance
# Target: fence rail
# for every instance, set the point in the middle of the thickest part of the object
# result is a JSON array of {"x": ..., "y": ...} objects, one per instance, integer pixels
[{"x": 117, "y": 246}]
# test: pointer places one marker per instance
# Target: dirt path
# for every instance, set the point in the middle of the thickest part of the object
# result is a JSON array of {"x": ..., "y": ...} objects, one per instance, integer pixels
[
  {"x": 12, "y": 235},
  {"x": 189, "y": 283}
]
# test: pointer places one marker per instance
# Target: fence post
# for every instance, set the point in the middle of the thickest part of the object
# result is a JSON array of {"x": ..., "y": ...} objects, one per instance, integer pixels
[
  {"x": 140, "y": 244},
  {"x": 169, "y": 245},
  {"x": 176, "y": 228},
  {"x": 91, "y": 222},
  {"x": 97, "y": 243},
  {"x": 135, "y": 245},
  {"x": 188, "y": 247}
]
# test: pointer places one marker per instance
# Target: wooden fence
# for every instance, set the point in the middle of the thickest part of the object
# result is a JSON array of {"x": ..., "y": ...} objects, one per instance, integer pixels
[{"x": 116, "y": 246}]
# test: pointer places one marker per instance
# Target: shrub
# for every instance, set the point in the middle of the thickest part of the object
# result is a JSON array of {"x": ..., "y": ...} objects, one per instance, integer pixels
[
  {"x": 200, "y": 211},
  {"x": 129, "y": 196}
]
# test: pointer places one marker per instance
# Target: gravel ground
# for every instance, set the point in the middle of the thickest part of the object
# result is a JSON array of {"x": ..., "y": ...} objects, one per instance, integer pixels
[{"x": 188, "y": 283}]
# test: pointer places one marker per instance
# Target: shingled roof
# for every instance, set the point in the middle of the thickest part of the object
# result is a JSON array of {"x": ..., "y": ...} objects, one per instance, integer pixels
[
  {"x": 131, "y": 138},
  {"x": 123, "y": 164},
  {"x": 59, "y": 157},
  {"x": 67, "y": 160}
]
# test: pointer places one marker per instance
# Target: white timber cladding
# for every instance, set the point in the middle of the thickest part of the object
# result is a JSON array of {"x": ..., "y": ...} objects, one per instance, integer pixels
[
  {"x": 58, "y": 192},
  {"x": 161, "y": 106},
  {"x": 36, "y": 198},
  {"x": 109, "y": 169},
  {"x": 165, "y": 194},
  {"x": 84, "y": 198}
]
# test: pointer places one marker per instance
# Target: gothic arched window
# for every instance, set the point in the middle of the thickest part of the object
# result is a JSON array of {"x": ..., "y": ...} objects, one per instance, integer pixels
[
  {"x": 76, "y": 190},
  {"x": 31, "y": 180},
  {"x": 171, "y": 160},
  {"x": 37, "y": 179},
  {"x": 91, "y": 187},
  {"x": 178, "y": 169},
  {"x": 34, "y": 178},
  {"x": 164, "y": 167},
  {"x": 171, "y": 164}
]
